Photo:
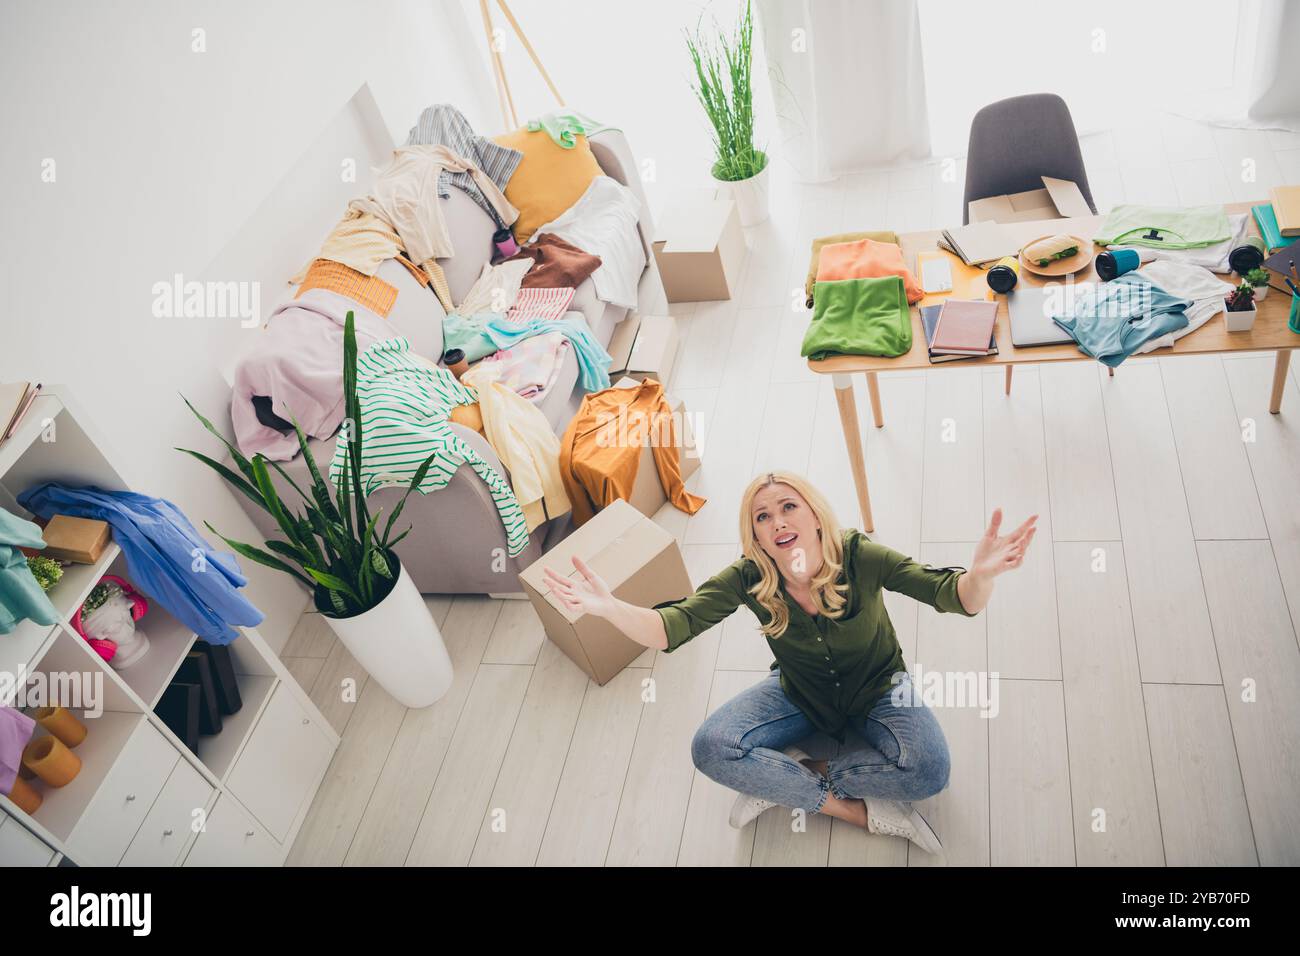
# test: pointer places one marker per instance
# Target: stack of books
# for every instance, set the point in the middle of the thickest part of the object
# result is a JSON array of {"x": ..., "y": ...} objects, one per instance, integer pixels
[
  {"x": 15, "y": 399},
  {"x": 1279, "y": 219},
  {"x": 960, "y": 328},
  {"x": 979, "y": 242}
]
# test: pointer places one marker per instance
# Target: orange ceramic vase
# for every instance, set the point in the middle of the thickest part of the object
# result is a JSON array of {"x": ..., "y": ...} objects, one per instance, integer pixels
[
  {"x": 49, "y": 759},
  {"x": 60, "y": 722}
]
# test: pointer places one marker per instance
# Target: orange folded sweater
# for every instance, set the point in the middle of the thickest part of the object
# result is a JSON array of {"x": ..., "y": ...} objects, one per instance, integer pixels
[
  {"x": 601, "y": 449},
  {"x": 867, "y": 259}
]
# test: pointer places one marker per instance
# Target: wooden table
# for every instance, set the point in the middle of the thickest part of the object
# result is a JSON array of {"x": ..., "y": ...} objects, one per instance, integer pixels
[{"x": 1270, "y": 332}]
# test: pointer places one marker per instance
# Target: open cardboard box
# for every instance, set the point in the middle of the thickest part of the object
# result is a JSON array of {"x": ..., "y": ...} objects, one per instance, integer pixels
[
  {"x": 699, "y": 247},
  {"x": 648, "y": 494},
  {"x": 640, "y": 562},
  {"x": 1059, "y": 199}
]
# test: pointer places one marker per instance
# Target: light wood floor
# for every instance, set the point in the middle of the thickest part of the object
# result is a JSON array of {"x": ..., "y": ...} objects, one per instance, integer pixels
[{"x": 1149, "y": 695}]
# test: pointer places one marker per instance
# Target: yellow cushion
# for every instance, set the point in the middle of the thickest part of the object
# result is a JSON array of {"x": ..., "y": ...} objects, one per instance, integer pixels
[{"x": 548, "y": 180}]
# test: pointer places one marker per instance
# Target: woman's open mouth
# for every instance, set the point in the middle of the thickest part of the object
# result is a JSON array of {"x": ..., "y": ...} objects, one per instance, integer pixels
[{"x": 785, "y": 540}]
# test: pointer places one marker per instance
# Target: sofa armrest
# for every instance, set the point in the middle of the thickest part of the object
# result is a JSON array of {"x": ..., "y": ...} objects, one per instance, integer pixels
[{"x": 615, "y": 157}]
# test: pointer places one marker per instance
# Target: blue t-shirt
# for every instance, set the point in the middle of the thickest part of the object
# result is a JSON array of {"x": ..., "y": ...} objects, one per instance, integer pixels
[{"x": 1112, "y": 320}]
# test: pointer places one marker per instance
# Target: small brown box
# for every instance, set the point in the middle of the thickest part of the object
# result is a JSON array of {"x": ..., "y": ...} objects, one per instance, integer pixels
[
  {"x": 640, "y": 562},
  {"x": 80, "y": 540}
]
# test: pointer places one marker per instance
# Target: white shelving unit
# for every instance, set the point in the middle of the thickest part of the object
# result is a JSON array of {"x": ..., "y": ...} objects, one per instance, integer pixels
[{"x": 142, "y": 797}]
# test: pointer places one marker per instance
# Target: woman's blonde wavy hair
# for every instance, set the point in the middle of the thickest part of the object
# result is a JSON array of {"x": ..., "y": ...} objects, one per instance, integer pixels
[{"x": 829, "y": 590}]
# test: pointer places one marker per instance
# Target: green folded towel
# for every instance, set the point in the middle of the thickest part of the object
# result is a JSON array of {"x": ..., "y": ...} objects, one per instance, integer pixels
[
  {"x": 859, "y": 317},
  {"x": 1160, "y": 227}
]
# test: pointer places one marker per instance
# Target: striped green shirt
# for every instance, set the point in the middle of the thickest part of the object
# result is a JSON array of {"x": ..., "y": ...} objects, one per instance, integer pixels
[{"x": 404, "y": 408}]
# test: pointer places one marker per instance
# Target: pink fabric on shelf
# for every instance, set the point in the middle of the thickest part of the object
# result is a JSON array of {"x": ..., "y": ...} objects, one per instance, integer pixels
[
  {"x": 298, "y": 365},
  {"x": 15, "y": 730},
  {"x": 531, "y": 367},
  {"x": 540, "y": 304}
]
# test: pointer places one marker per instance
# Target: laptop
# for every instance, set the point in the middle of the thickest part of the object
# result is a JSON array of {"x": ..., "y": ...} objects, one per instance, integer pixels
[{"x": 1031, "y": 325}]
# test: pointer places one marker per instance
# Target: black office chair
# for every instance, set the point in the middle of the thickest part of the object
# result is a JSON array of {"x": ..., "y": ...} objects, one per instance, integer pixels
[{"x": 1017, "y": 141}]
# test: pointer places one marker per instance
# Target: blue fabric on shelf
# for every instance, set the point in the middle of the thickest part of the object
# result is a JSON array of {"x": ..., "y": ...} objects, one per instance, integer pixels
[
  {"x": 21, "y": 597},
  {"x": 1112, "y": 320},
  {"x": 165, "y": 557}
]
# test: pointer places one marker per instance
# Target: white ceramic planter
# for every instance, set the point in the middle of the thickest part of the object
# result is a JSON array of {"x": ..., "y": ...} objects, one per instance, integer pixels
[
  {"x": 399, "y": 645},
  {"x": 750, "y": 196},
  {"x": 1239, "y": 321},
  {"x": 1261, "y": 292}
]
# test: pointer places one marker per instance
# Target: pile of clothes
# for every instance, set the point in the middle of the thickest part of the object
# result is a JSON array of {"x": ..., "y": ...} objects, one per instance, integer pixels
[
  {"x": 1140, "y": 311},
  {"x": 514, "y": 324},
  {"x": 860, "y": 292}
]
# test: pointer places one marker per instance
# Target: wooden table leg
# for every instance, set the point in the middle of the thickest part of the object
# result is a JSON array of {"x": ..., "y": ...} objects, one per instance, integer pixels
[
  {"x": 873, "y": 391},
  {"x": 853, "y": 442},
  {"x": 1280, "y": 365},
  {"x": 1007, "y": 386}
]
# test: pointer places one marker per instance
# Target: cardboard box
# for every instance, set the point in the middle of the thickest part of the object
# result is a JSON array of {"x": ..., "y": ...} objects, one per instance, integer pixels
[
  {"x": 640, "y": 562},
  {"x": 654, "y": 350},
  {"x": 699, "y": 247},
  {"x": 621, "y": 342},
  {"x": 648, "y": 494},
  {"x": 79, "y": 540},
  {"x": 1060, "y": 199}
]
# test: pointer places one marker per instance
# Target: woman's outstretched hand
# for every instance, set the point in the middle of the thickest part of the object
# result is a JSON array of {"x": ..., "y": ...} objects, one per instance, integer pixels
[
  {"x": 588, "y": 594},
  {"x": 996, "y": 553}
]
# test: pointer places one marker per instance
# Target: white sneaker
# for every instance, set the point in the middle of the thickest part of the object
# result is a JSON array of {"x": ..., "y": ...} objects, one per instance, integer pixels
[
  {"x": 890, "y": 818},
  {"x": 747, "y": 808}
]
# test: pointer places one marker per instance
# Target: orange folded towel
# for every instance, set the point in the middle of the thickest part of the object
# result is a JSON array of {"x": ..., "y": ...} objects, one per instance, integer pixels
[{"x": 867, "y": 259}]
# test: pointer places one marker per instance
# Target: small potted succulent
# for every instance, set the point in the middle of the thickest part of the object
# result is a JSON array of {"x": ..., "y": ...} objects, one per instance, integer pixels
[
  {"x": 1240, "y": 306},
  {"x": 1258, "y": 279}
]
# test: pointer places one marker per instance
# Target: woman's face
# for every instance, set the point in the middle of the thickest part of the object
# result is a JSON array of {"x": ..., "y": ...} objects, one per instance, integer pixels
[{"x": 786, "y": 528}]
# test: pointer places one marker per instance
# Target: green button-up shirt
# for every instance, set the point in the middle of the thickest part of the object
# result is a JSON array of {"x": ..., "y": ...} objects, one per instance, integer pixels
[{"x": 830, "y": 669}]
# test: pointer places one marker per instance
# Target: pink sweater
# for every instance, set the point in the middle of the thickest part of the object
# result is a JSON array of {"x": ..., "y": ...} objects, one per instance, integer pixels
[{"x": 298, "y": 365}]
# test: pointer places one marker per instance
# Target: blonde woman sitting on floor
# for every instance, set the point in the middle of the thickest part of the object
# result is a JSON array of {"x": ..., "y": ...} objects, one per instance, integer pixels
[{"x": 817, "y": 592}]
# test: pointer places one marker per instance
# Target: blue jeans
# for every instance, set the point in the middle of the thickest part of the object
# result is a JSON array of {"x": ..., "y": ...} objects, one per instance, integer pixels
[{"x": 739, "y": 745}]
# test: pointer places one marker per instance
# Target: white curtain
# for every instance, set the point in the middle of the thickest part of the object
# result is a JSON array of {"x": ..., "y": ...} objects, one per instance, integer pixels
[
  {"x": 847, "y": 81},
  {"x": 1265, "y": 91}
]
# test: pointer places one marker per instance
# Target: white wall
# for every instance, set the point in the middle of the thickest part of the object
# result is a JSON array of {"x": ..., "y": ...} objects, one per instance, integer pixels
[
  {"x": 160, "y": 155},
  {"x": 625, "y": 63}
]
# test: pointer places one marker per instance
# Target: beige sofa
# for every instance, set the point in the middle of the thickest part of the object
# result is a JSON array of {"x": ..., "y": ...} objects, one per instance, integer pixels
[{"x": 458, "y": 545}]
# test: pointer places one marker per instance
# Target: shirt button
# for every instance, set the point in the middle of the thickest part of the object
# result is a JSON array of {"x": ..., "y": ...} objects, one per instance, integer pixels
[
  {"x": 837, "y": 683},
  {"x": 819, "y": 640},
  {"x": 828, "y": 658}
]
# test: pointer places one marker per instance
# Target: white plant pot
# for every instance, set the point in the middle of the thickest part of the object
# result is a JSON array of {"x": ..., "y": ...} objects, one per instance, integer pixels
[
  {"x": 1239, "y": 321},
  {"x": 1261, "y": 292},
  {"x": 399, "y": 646},
  {"x": 750, "y": 196}
]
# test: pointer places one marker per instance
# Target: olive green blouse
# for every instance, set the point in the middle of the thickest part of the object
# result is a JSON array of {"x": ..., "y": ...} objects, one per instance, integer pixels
[{"x": 830, "y": 669}]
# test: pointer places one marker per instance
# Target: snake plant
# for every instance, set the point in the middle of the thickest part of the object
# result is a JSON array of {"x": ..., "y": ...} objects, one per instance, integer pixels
[{"x": 333, "y": 544}]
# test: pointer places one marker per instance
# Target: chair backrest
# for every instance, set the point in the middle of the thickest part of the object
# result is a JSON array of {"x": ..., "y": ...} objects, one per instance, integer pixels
[{"x": 1017, "y": 141}]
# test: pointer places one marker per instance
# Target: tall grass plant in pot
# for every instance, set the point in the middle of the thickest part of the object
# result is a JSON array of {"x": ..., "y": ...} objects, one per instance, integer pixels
[
  {"x": 335, "y": 547},
  {"x": 724, "y": 86}
]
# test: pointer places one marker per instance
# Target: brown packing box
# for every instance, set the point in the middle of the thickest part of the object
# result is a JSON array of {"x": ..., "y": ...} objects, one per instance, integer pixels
[
  {"x": 1060, "y": 199},
  {"x": 621, "y": 342},
  {"x": 699, "y": 247},
  {"x": 648, "y": 494},
  {"x": 80, "y": 540},
  {"x": 640, "y": 562},
  {"x": 655, "y": 349}
]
